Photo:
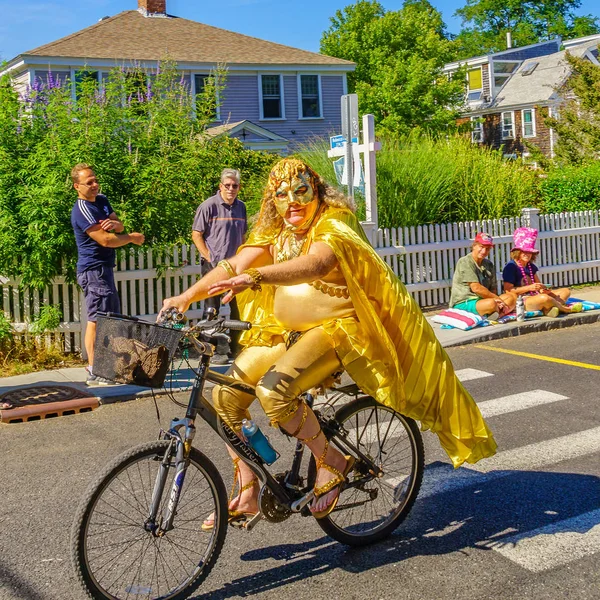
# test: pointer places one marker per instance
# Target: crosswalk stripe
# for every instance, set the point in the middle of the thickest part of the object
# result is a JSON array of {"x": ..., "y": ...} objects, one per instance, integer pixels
[
  {"x": 442, "y": 477},
  {"x": 470, "y": 374},
  {"x": 514, "y": 402},
  {"x": 534, "y": 456},
  {"x": 552, "y": 545}
]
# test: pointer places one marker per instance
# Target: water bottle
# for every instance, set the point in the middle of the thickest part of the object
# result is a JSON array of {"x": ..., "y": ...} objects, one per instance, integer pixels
[
  {"x": 258, "y": 441},
  {"x": 520, "y": 309}
]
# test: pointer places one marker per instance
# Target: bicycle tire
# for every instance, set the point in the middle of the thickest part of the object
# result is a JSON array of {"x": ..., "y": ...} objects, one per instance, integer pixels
[
  {"x": 406, "y": 475},
  {"x": 87, "y": 532}
]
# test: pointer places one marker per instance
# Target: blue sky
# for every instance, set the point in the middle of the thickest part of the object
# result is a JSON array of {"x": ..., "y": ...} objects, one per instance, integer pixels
[{"x": 26, "y": 24}]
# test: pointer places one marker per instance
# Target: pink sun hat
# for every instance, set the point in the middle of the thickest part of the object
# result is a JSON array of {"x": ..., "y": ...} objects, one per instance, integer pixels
[{"x": 524, "y": 239}]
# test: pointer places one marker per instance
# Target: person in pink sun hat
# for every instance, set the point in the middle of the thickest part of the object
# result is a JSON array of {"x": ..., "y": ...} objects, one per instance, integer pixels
[{"x": 520, "y": 277}]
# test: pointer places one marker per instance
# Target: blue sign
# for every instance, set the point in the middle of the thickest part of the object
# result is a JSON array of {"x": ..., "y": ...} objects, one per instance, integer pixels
[{"x": 337, "y": 141}]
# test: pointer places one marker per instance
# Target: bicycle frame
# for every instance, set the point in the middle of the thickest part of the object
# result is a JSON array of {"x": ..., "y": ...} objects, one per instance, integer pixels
[{"x": 289, "y": 494}]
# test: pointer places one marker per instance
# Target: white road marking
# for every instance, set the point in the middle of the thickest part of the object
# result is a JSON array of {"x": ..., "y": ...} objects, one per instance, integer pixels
[
  {"x": 552, "y": 545},
  {"x": 515, "y": 402},
  {"x": 470, "y": 374},
  {"x": 548, "y": 452}
]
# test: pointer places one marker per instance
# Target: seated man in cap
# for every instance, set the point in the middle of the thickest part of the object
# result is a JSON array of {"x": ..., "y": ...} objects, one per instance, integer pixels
[{"x": 474, "y": 285}]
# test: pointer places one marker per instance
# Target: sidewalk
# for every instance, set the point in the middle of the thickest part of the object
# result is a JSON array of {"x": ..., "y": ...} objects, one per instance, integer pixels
[{"x": 182, "y": 380}]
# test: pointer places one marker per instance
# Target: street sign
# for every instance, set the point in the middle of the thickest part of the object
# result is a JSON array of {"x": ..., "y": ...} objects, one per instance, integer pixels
[
  {"x": 337, "y": 141},
  {"x": 350, "y": 124}
]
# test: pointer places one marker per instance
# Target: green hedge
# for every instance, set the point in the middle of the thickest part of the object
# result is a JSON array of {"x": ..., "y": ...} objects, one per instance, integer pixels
[
  {"x": 149, "y": 149},
  {"x": 571, "y": 189}
]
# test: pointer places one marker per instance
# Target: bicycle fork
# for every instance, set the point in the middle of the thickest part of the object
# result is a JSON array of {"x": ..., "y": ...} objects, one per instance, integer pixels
[{"x": 181, "y": 463}]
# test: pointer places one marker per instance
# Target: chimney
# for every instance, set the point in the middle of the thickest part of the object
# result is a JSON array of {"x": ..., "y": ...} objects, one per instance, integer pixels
[{"x": 150, "y": 7}]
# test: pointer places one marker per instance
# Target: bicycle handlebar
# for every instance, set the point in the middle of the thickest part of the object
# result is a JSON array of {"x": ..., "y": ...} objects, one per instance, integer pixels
[{"x": 236, "y": 325}]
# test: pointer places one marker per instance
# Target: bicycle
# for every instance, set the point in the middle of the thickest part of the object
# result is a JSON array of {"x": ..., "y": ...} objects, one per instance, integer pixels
[{"x": 137, "y": 532}]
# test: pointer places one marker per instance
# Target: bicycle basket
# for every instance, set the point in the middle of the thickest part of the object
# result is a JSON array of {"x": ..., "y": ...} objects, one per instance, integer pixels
[{"x": 130, "y": 351}]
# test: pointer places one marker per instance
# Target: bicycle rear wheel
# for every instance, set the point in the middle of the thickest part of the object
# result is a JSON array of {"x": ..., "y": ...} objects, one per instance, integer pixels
[
  {"x": 116, "y": 557},
  {"x": 371, "y": 511}
]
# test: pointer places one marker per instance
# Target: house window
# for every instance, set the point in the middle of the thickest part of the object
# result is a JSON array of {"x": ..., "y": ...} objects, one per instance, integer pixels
[
  {"x": 271, "y": 96},
  {"x": 83, "y": 78},
  {"x": 475, "y": 82},
  {"x": 310, "y": 96},
  {"x": 528, "y": 119},
  {"x": 508, "y": 127},
  {"x": 476, "y": 130},
  {"x": 203, "y": 83}
]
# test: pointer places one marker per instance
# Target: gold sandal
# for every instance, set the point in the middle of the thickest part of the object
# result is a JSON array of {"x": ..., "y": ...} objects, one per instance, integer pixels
[
  {"x": 233, "y": 515},
  {"x": 340, "y": 478}
]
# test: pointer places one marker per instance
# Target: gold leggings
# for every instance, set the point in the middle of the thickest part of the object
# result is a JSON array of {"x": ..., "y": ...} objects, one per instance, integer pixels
[{"x": 279, "y": 375}]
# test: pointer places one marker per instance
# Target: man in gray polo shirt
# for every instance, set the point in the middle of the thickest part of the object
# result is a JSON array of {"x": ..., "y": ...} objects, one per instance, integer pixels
[{"x": 219, "y": 229}]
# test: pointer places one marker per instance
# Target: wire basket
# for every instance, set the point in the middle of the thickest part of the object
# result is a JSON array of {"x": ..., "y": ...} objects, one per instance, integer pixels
[{"x": 133, "y": 351}]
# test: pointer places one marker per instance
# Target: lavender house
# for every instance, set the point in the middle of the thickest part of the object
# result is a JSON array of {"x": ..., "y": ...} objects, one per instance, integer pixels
[{"x": 275, "y": 97}]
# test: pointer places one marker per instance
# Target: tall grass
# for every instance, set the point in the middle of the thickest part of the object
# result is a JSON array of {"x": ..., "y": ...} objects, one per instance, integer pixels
[{"x": 423, "y": 179}]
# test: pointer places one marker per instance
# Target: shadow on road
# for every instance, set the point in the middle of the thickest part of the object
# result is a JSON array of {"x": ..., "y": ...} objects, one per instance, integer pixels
[
  {"x": 17, "y": 586},
  {"x": 478, "y": 515}
]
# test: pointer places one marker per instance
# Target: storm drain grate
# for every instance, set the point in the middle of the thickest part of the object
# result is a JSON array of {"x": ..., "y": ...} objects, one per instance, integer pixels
[{"x": 44, "y": 402}]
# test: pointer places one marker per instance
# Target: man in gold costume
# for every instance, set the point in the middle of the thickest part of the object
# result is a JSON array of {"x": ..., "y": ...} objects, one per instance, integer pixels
[{"x": 308, "y": 267}]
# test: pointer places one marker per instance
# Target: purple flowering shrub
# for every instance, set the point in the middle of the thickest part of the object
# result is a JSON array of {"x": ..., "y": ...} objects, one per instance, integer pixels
[{"x": 143, "y": 134}]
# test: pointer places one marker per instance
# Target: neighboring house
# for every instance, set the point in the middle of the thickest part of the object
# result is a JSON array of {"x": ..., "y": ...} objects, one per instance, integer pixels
[
  {"x": 510, "y": 93},
  {"x": 283, "y": 95}
]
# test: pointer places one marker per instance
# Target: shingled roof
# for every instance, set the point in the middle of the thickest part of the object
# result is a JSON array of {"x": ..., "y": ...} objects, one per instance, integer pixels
[{"x": 132, "y": 36}]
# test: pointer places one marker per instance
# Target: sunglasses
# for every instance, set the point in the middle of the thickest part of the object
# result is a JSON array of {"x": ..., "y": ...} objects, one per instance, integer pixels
[{"x": 231, "y": 186}]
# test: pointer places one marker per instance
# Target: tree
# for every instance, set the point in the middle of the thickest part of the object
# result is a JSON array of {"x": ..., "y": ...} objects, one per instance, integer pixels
[
  {"x": 486, "y": 23},
  {"x": 578, "y": 123},
  {"x": 399, "y": 57}
]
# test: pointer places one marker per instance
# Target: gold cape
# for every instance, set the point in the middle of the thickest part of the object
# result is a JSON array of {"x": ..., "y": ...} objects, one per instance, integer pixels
[{"x": 392, "y": 352}]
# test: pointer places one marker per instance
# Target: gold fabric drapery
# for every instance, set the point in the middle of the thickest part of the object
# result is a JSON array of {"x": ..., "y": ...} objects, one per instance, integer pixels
[{"x": 392, "y": 352}]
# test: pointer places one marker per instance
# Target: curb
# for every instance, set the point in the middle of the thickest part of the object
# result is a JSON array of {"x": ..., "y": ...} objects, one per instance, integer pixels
[{"x": 531, "y": 327}]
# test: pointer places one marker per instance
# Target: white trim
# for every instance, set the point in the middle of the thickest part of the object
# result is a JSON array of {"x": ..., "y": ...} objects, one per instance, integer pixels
[
  {"x": 281, "y": 98},
  {"x": 533, "y": 125},
  {"x": 550, "y": 114},
  {"x": 473, "y": 140},
  {"x": 181, "y": 66},
  {"x": 512, "y": 119},
  {"x": 301, "y": 116}
]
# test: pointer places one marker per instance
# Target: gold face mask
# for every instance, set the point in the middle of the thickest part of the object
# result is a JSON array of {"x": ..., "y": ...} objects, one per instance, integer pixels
[
  {"x": 296, "y": 190},
  {"x": 292, "y": 185}
]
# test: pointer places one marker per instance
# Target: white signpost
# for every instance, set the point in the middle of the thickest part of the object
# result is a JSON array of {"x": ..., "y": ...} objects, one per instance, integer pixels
[{"x": 351, "y": 151}]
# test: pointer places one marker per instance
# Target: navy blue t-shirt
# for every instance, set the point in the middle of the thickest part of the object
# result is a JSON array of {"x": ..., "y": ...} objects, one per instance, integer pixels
[
  {"x": 512, "y": 274},
  {"x": 85, "y": 214}
]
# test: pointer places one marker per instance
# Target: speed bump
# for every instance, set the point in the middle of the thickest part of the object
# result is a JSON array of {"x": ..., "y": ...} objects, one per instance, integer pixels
[{"x": 44, "y": 402}]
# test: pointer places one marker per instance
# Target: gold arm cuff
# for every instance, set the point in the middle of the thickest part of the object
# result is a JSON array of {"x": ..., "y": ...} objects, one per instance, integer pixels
[
  {"x": 226, "y": 265},
  {"x": 256, "y": 276}
]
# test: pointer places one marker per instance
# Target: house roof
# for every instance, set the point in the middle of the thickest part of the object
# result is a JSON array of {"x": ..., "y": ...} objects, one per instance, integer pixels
[
  {"x": 540, "y": 86},
  {"x": 132, "y": 36},
  {"x": 244, "y": 126}
]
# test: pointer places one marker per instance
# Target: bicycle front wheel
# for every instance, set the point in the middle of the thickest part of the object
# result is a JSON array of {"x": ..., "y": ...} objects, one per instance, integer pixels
[
  {"x": 371, "y": 511},
  {"x": 115, "y": 554}
]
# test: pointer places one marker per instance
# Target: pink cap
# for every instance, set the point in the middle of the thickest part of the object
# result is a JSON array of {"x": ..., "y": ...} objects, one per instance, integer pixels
[{"x": 485, "y": 239}]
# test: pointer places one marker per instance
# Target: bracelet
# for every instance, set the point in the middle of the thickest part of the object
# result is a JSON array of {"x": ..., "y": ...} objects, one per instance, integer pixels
[
  {"x": 256, "y": 276},
  {"x": 226, "y": 266}
]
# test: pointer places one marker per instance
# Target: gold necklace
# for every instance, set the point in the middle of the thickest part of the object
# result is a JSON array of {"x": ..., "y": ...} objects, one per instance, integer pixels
[{"x": 291, "y": 246}]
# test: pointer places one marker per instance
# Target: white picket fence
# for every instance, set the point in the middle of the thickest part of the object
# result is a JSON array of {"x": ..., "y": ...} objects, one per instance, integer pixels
[{"x": 423, "y": 257}]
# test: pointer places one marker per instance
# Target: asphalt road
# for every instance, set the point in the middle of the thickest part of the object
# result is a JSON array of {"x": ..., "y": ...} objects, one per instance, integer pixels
[{"x": 523, "y": 525}]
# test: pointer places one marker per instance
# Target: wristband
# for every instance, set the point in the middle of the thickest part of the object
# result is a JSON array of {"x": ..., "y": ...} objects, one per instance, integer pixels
[
  {"x": 256, "y": 276},
  {"x": 226, "y": 266}
]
